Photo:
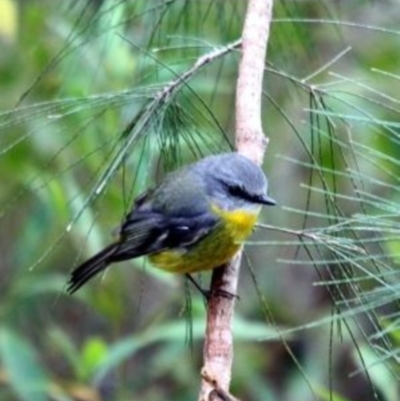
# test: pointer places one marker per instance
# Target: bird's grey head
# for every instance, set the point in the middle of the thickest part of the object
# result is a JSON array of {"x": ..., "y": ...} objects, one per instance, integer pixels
[{"x": 234, "y": 181}]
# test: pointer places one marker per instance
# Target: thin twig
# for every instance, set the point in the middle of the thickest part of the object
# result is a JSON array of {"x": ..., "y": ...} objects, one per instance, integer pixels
[
  {"x": 328, "y": 64},
  {"x": 141, "y": 121}
]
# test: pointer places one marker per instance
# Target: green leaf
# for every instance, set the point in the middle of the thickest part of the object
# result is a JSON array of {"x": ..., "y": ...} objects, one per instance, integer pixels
[
  {"x": 94, "y": 351},
  {"x": 124, "y": 349},
  {"x": 8, "y": 19},
  {"x": 25, "y": 374}
]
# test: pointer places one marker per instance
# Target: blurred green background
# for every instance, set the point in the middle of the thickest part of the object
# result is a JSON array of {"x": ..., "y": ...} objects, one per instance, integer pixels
[{"x": 85, "y": 127}]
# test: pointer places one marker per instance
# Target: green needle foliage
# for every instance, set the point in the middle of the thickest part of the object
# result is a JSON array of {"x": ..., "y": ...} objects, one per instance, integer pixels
[{"x": 100, "y": 99}]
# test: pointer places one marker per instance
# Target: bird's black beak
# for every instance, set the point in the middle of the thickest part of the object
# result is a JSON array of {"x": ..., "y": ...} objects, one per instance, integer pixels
[{"x": 266, "y": 200}]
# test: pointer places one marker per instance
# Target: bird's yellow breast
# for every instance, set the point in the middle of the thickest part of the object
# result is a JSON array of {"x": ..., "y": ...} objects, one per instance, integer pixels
[{"x": 215, "y": 249}]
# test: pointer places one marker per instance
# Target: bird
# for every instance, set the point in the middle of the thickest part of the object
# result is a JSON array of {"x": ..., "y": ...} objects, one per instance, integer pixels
[{"x": 195, "y": 220}]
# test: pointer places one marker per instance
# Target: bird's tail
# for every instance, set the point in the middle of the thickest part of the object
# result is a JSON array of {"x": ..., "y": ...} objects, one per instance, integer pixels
[{"x": 91, "y": 267}]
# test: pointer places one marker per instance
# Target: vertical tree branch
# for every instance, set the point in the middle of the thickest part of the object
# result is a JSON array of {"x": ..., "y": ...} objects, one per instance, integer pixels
[
  {"x": 250, "y": 139},
  {"x": 251, "y": 142}
]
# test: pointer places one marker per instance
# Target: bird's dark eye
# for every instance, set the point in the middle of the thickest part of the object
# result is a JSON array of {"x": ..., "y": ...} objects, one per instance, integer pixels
[
  {"x": 236, "y": 190},
  {"x": 240, "y": 192}
]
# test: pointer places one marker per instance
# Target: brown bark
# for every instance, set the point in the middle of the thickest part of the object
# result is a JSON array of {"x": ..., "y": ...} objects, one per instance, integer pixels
[{"x": 251, "y": 142}]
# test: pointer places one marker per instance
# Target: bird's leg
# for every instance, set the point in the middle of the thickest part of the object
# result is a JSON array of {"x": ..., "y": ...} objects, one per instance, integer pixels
[
  {"x": 207, "y": 293},
  {"x": 224, "y": 294}
]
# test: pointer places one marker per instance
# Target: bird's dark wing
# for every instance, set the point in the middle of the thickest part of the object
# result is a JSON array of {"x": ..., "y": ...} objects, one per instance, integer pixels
[
  {"x": 173, "y": 215},
  {"x": 144, "y": 233}
]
